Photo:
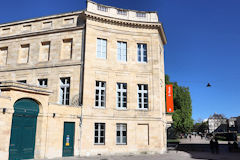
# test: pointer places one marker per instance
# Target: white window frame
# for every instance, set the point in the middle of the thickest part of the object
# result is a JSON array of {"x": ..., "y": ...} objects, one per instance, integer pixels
[
  {"x": 44, "y": 82},
  {"x": 121, "y": 51},
  {"x": 99, "y": 88},
  {"x": 140, "y": 100},
  {"x": 140, "y": 14},
  {"x": 120, "y": 128},
  {"x": 102, "y": 8},
  {"x": 122, "y": 12},
  {"x": 121, "y": 90},
  {"x": 98, "y": 136},
  {"x": 64, "y": 85},
  {"x": 101, "y": 52},
  {"x": 142, "y": 53}
]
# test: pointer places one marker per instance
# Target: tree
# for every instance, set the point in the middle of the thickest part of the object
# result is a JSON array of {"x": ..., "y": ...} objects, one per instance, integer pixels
[
  {"x": 182, "y": 116},
  {"x": 200, "y": 127}
]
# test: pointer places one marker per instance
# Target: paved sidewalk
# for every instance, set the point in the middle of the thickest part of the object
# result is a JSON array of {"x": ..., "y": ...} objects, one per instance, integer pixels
[
  {"x": 196, "y": 140},
  {"x": 171, "y": 155}
]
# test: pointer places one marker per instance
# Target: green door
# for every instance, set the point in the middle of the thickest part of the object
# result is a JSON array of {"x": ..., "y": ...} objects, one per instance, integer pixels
[
  {"x": 68, "y": 139},
  {"x": 23, "y": 132}
]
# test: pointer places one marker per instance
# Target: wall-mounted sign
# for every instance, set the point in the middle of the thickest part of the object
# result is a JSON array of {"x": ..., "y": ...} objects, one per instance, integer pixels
[
  {"x": 67, "y": 140},
  {"x": 169, "y": 98}
]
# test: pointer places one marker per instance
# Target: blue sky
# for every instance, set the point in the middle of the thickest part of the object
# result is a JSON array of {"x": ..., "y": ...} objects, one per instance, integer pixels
[{"x": 203, "y": 43}]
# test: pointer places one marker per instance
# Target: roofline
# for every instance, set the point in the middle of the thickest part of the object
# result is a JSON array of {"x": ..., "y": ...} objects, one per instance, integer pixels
[
  {"x": 121, "y": 8},
  {"x": 41, "y": 18}
]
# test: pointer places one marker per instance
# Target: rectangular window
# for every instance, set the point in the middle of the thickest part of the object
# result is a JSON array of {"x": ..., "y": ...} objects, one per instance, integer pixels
[
  {"x": 122, "y": 51},
  {"x": 142, "y": 96},
  {"x": 121, "y": 134},
  {"x": 122, "y": 12},
  {"x": 99, "y": 135},
  {"x": 64, "y": 90},
  {"x": 141, "y": 14},
  {"x": 23, "y": 55},
  {"x": 66, "y": 52},
  {"x": 100, "y": 94},
  {"x": 142, "y": 52},
  {"x": 44, "y": 52},
  {"x": 101, "y": 48},
  {"x": 22, "y": 81},
  {"x": 122, "y": 95},
  {"x": 102, "y": 8},
  {"x": 43, "y": 82},
  {"x": 3, "y": 56}
]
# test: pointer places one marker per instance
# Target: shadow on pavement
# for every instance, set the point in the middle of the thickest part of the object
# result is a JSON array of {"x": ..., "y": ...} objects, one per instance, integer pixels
[{"x": 203, "y": 151}]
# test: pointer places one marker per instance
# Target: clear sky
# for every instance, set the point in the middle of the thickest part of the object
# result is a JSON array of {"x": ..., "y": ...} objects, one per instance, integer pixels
[{"x": 203, "y": 43}]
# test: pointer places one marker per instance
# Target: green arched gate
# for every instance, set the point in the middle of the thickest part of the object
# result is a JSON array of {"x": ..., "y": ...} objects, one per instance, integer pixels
[{"x": 23, "y": 132}]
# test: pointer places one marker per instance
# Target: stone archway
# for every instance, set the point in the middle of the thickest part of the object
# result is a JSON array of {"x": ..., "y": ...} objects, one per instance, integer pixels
[{"x": 23, "y": 131}]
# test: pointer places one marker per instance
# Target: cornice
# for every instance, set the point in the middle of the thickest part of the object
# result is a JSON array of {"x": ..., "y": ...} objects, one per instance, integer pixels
[
  {"x": 41, "y": 33},
  {"x": 40, "y": 19},
  {"x": 11, "y": 85},
  {"x": 123, "y": 22},
  {"x": 62, "y": 64},
  {"x": 127, "y": 23}
]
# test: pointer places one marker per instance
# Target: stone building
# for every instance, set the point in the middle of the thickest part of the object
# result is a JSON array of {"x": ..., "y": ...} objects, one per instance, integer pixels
[
  {"x": 83, "y": 83},
  {"x": 217, "y": 123}
]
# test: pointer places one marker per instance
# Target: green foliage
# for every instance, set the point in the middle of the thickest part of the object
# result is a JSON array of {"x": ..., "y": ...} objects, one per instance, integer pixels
[
  {"x": 182, "y": 116},
  {"x": 200, "y": 127}
]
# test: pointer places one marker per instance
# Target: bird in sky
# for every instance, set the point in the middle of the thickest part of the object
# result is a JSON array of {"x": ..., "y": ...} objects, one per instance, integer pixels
[{"x": 208, "y": 85}]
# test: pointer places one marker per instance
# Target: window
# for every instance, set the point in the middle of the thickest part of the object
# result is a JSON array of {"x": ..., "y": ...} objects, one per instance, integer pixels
[
  {"x": 122, "y": 51},
  {"x": 99, "y": 136},
  {"x": 23, "y": 55},
  {"x": 142, "y": 52},
  {"x": 141, "y": 14},
  {"x": 142, "y": 96},
  {"x": 101, "y": 48},
  {"x": 64, "y": 90},
  {"x": 3, "y": 56},
  {"x": 66, "y": 51},
  {"x": 121, "y": 134},
  {"x": 22, "y": 81},
  {"x": 100, "y": 94},
  {"x": 44, "y": 52},
  {"x": 43, "y": 82},
  {"x": 102, "y": 8},
  {"x": 122, "y": 95},
  {"x": 122, "y": 12}
]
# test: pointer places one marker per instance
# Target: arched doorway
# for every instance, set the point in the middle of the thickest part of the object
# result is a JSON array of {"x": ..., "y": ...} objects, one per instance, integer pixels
[{"x": 23, "y": 132}]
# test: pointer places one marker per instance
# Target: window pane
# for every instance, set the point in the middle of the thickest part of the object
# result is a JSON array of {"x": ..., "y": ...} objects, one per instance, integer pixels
[
  {"x": 145, "y": 105},
  {"x": 96, "y": 140},
  {"x": 103, "y": 84},
  {"x": 102, "y": 140},
  {"x": 102, "y": 126},
  {"x": 145, "y": 87},
  {"x": 118, "y": 140},
  {"x": 124, "y": 140},
  {"x": 118, "y": 133}
]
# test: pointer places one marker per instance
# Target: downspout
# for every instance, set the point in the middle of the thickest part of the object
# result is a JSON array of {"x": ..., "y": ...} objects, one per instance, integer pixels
[{"x": 81, "y": 83}]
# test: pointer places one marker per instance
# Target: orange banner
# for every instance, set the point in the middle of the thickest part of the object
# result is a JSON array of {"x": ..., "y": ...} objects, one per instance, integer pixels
[{"x": 169, "y": 98}]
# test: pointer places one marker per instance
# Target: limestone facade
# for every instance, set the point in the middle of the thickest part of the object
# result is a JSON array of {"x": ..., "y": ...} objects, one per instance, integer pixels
[{"x": 66, "y": 45}]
